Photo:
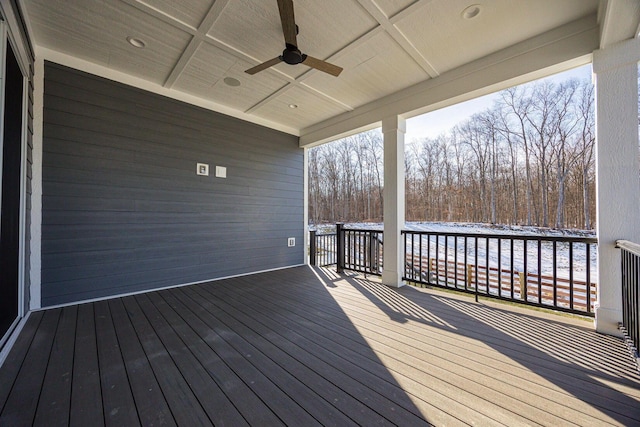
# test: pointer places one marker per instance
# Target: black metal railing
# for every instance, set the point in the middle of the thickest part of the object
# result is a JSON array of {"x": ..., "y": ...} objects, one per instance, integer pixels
[
  {"x": 348, "y": 248},
  {"x": 630, "y": 255},
  {"x": 534, "y": 270},
  {"x": 359, "y": 250},
  {"x": 322, "y": 249}
]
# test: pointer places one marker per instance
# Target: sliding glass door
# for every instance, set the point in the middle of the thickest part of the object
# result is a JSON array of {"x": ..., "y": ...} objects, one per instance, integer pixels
[{"x": 12, "y": 88}]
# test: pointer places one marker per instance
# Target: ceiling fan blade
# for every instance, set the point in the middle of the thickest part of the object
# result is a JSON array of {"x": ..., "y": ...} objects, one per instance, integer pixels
[
  {"x": 288, "y": 22},
  {"x": 321, "y": 65},
  {"x": 264, "y": 65}
]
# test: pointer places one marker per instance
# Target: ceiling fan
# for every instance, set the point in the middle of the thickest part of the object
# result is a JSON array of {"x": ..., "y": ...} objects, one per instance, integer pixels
[{"x": 291, "y": 54}]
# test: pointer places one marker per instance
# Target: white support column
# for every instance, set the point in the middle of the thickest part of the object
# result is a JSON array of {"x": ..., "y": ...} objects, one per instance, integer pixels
[
  {"x": 617, "y": 183},
  {"x": 393, "y": 130},
  {"x": 305, "y": 215},
  {"x": 35, "y": 245}
]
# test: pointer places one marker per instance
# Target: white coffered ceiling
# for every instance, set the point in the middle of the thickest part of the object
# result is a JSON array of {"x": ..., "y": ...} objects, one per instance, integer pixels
[{"x": 386, "y": 47}]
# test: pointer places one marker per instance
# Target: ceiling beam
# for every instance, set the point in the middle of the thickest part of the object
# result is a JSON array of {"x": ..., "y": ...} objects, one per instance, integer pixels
[
  {"x": 274, "y": 95},
  {"x": 619, "y": 21},
  {"x": 205, "y": 26},
  {"x": 162, "y": 16},
  {"x": 376, "y": 13},
  {"x": 557, "y": 50}
]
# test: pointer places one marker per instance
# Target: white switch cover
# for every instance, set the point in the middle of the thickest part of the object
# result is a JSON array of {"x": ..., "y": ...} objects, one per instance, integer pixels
[
  {"x": 291, "y": 242},
  {"x": 202, "y": 169},
  {"x": 221, "y": 172}
]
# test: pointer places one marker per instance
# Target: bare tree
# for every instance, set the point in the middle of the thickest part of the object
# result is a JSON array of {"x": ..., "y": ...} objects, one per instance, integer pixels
[{"x": 535, "y": 145}]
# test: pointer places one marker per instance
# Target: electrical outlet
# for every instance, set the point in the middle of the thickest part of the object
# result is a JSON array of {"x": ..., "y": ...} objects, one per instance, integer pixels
[{"x": 291, "y": 242}]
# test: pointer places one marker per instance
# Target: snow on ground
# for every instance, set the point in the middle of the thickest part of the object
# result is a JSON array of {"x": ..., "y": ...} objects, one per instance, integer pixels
[{"x": 562, "y": 265}]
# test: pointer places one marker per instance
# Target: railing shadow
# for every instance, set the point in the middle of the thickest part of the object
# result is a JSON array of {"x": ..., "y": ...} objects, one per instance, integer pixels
[{"x": 566, "y": 358}]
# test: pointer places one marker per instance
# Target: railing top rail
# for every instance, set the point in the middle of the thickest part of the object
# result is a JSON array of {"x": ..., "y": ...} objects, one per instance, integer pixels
[
  {"x": 373, "y": 230},
  {"x": 628, "y": 246},
  {"x": 508, "y": 236}
]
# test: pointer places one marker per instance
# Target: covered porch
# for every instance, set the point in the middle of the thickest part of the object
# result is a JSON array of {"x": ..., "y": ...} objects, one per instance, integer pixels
[
  {"x": 139, "y": 156},
  {"x": 304, "y": 346}
]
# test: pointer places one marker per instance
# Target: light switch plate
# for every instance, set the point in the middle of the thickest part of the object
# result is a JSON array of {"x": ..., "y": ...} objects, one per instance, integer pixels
[
  {"x": 221, "y": 172},
  {"x": 202, "y": 169}
]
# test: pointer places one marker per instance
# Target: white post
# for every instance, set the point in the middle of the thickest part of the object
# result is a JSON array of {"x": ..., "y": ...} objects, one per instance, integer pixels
[
  {"x": 617, "y": 184},
  {"x": 393, "y": 130},
  {"x": 305, "y": 215},
  {"x": 35, "y": 244}
]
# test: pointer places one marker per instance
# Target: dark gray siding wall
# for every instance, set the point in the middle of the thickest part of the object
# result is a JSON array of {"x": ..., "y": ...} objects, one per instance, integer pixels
[{"x": 123, "y": 208}]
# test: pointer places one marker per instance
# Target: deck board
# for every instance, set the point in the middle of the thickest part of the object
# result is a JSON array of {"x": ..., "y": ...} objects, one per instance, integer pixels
[
  {"x": 348, "y": 355},
  {"x": 338, "y": 389},
  {"x": 119, "y": 406},
  {"x": 218, "y": 408},
  {"x": 151, "y": 404},
  {"x": 86, "y": 393},
  {"x": 184, "y": 404},
  {"x": 22, "y": 403},
  {"x": 55, "y": 398},
  {"x": 281, "y": 390},
  {"x": 254, "y": 410},
  {"x": 305, "y": 346},
  {"x": 15, "y": 359}
]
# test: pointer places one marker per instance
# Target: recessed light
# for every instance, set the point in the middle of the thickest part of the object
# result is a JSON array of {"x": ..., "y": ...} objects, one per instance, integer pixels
[
  {"x": 135, "y": 42},
  {"x": 293, "y": 106},
  {"x": 230, "y": 81},
  {"x": 471, "y": 11}
]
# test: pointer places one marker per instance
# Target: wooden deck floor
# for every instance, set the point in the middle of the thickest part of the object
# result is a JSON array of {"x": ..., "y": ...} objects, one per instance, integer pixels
[{"x": 306, "y": 347}]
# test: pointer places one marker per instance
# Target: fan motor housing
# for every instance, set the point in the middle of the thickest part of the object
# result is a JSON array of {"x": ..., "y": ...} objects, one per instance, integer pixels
[{"x": 292, "y": 55}]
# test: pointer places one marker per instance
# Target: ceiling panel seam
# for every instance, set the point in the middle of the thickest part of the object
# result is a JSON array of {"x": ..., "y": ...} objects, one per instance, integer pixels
[
  {"x": 182, "y": 62},
  {"x": 330, "y": 98},
  {"x": 164, "y": 17},
  {"x": 408, "y": 11},
  {"x": 266, "y": 100},
  {"x": 379, "y": 16},
  {"x": 299, "y": 81},
  {"x": 205, "y": 26}
]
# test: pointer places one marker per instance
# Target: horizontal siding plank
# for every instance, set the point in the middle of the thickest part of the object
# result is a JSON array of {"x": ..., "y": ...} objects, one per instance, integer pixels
[
  {"x": 264, "y": 158},
  {"x": 120, "y": 156}
]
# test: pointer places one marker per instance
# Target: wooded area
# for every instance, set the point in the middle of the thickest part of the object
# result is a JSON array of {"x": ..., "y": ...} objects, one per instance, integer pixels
[{"x": 529, "y": 160}]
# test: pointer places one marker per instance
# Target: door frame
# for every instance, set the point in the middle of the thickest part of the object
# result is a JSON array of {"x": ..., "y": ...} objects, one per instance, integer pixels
[{"x": 7, "y": 39}]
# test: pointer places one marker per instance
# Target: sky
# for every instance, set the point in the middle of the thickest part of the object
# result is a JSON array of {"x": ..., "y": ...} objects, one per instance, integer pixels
[{"x": 440, "y": 121}]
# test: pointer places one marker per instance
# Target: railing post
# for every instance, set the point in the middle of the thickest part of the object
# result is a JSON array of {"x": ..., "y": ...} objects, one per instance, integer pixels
[
  {"x": 522, "y": 278},
  {"x": 339, "y": 248},
  {"x": 374, "y": 245},
  {"x": 312, "y": 247}
]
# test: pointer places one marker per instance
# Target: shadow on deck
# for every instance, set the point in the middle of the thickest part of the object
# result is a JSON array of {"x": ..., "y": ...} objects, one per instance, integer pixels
[{"x": 305, "y": 347}]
